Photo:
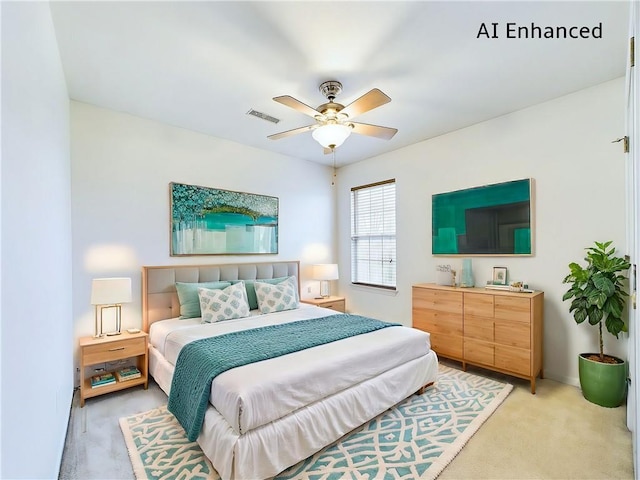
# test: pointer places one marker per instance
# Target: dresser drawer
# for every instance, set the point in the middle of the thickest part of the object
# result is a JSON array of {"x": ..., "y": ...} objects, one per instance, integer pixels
[
  {"x": 439, "y": 322},
  {"x": 517, "y": 360},
  {"x": 479, "y": 352},
  {"x": 441, "y": 301},
  {"x": 479, "y": 328},
  {"x": 108, "y": 351},
  {"x": 447, "y": 345},
  {"x": 513, "y": 308},
  {"x": 478, "y": 304},
  {"x": 512, "y": 333}
]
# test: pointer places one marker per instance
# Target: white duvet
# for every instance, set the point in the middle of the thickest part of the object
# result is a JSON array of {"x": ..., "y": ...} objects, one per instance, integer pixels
[{"x": 256, "y": 394}]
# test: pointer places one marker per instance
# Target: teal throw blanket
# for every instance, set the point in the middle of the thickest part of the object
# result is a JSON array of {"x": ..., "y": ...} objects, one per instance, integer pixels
[{"x": 200, "y": 361}]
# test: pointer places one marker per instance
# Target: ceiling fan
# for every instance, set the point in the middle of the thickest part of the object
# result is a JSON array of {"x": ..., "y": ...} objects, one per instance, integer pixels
[{"x": 333, "y": 120}]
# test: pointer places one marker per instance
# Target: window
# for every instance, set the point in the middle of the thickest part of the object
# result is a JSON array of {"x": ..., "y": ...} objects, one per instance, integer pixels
[{"x": 373, "y": 234}]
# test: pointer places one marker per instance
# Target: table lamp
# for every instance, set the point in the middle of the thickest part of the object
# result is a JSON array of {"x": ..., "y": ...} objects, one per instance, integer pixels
[
  {"x": 325, "y": 272},
  {"x": 109, "y": 293}
]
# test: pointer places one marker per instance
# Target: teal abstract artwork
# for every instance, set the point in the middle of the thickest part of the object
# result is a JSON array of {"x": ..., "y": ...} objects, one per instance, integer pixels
[
  {"x": 489, "y": 220},
  {"x": 210, "y": 221}
]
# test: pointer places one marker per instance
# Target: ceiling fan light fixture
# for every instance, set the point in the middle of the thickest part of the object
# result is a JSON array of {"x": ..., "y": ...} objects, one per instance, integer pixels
[{"x": 331, "y": 135}]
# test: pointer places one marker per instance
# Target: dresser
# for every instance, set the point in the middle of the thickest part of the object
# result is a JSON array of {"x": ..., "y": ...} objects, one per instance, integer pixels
[{"x": 494, "y": 329}]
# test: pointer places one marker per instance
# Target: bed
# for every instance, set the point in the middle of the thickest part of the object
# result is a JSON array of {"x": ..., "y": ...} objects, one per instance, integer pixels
[{"x": 268, "y": 415}]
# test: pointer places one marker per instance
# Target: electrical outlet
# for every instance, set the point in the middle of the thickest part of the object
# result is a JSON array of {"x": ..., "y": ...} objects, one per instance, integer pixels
[{"x": 308, "y": 289}]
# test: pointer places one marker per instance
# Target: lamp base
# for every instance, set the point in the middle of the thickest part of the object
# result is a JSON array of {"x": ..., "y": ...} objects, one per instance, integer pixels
[
  {"x": 324, "y": 289},
  {"x": 111, "y": 334}
]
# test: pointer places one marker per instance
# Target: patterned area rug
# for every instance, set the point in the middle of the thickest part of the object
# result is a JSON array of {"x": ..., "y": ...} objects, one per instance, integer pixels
[{"x": 416, "y": 439}]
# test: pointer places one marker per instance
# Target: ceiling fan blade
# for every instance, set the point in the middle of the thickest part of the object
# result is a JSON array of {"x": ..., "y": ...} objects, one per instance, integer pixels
[
  {"x": 289, "y": 101},
  {"x": 385, "y": 133},
  {"x": 370, "y": 100},
  {"x": 295, "y": 131}
]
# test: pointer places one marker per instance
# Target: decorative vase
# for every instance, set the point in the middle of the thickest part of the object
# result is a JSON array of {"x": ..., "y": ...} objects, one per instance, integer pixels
[
  {"x": 467, "y": 273},
  {"x": 604, "y": 384}
]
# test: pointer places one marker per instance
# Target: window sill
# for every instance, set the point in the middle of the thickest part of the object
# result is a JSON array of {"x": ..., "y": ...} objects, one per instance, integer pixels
[{"x": 390, "y": 291}]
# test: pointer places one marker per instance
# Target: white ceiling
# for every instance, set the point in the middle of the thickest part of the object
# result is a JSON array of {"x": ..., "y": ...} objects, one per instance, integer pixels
[{"x": 203, "y": 65}]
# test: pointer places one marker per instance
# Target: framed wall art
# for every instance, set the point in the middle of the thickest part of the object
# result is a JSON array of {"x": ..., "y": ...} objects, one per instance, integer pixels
[
  {"x": 210, "y": 221},
  {"x": 494, "y": 219}
]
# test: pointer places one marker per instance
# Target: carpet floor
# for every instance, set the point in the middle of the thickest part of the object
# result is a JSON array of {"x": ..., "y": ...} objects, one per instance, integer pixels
[{"x": 414, "y": 440}]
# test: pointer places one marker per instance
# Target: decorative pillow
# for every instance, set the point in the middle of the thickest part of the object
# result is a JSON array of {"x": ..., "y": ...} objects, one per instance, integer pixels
[
  {"x": 188, "y": 296},
  {"x": 251, "y": 291},
  {"x": 226, "y": 304},
  {"x": 278, "y": 297}
]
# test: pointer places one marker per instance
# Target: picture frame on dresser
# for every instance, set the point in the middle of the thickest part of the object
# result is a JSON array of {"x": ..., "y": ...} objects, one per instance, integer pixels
[{"x": 499, "y": 276}]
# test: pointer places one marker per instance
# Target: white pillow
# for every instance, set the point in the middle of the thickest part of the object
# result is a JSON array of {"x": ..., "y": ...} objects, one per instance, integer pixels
[
  {"x": 226, "y": 304},
  {"x": 278, "y": 297}
]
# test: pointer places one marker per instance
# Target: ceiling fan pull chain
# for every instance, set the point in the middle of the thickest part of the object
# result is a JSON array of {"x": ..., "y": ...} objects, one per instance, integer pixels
[{"x": 333, "y": 180}]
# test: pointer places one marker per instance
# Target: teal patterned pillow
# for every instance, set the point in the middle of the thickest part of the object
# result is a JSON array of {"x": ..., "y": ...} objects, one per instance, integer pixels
[
  {"x": 225, "y": 304},
  {"x": 251, "y": 291},
  {"x": 188, "y": 296},
  {"x": 277, "y": 298}
]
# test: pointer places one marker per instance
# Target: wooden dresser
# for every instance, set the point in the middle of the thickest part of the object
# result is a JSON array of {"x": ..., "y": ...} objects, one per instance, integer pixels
[{"x": 493, "y": 329}]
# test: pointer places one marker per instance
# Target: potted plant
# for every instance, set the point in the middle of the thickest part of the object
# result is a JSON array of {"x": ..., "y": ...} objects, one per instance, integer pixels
[{"x": 598, "y": 296}]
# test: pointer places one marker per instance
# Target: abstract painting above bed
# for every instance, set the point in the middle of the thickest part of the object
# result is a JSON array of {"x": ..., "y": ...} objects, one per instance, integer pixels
[{"x": 210, "y": 221}]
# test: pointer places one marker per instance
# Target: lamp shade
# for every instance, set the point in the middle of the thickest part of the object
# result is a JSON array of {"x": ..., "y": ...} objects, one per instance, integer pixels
[
  {"x": 109, "y": 291},
  {"x": 325, "y": 271},
  {"x": 331, "y": 135}
]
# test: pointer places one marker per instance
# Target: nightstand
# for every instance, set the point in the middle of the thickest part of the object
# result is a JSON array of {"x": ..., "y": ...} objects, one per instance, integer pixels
[
  {"x": 109, "y": 349},
  {"x": 334, "y": 303}
]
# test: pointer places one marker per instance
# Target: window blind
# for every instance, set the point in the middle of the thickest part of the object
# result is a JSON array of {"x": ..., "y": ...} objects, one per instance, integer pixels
[{"x": 373, "y": 234}]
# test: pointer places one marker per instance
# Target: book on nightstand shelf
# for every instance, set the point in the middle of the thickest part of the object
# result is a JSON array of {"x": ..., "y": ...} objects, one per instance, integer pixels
[
  {"x": 128, "y": 373},
  {"x": 102, "y": 380}
]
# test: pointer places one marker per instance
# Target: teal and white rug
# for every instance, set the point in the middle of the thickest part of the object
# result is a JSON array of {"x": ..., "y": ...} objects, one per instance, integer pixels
[{"x": 414, "y": 440}]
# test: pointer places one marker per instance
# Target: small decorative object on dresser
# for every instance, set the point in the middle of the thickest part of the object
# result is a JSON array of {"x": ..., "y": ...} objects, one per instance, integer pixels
[
  {"x": 499, "y": 275},
  {"x": 334, "y": 303},
  {"x": 466, "y": 281},
  {"x": 94, "y": 351},
  {"x": 445, "y": 275}
]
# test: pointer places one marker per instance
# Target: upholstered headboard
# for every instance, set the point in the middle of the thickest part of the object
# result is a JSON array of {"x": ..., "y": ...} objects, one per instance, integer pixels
[{"x": 159, "y": 296}]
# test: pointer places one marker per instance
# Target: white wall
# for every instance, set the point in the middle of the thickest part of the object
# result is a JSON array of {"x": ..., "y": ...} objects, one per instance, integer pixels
[
  {"x": 37, "y": 360},
  {"x": 121, "y": 169},
  {"x": 565, "y": 145}
]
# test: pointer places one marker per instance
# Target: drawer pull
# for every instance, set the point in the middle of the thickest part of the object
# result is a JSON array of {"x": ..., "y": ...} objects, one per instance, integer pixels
[{"x": 116, "y": 349}]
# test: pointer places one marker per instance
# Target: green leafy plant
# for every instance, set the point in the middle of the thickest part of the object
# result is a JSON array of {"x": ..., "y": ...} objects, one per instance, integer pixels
[{"x": 598, "y": 290}]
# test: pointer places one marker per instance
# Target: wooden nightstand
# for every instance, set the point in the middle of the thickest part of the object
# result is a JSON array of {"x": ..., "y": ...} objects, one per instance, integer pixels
[
  {"x": 108, "y": 349},
  {"x": 334, "y": 303}
]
